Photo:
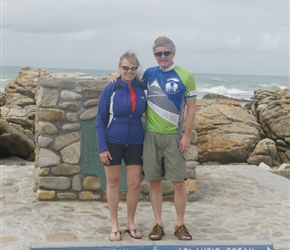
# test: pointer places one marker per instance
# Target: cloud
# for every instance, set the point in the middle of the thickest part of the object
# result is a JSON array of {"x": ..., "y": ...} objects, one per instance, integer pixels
[
  {"x": 82, "y": 35},
  {"x": 270, "y": 41},
  {"x": 216, "y": 33}
]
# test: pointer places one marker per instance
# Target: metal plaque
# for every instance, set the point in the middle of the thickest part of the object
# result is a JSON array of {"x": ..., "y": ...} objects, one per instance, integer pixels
[{"x": 90, "y": 160}]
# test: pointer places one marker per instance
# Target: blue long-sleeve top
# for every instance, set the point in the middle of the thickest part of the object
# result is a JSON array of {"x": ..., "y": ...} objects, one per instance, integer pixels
[{"x": 115, "y": 121}]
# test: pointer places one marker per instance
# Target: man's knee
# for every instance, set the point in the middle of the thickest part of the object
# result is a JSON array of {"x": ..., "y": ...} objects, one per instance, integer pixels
[
  {"x": 178, "y": 186},
  {"x": 156, "y": 184}
]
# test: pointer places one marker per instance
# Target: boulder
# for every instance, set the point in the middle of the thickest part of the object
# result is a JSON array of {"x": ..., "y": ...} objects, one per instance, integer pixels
[
  {"x": 16, "y": 141},
  {"x": 272, "y": 110},
  {"x": 226, "y": 131},
  {"x": 17, "y": 114},
  {"x": 218, "y": 96},
  {"x": 265, "y": 152}
]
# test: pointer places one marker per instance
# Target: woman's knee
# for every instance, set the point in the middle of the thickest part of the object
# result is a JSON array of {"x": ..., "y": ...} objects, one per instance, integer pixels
[
  {"x": 134, "y": 184},
  {"x": 113, "y": 182}
]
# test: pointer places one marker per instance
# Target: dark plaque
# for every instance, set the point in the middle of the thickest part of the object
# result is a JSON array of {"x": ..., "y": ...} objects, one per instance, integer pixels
[{"x": 90, "y": 160}]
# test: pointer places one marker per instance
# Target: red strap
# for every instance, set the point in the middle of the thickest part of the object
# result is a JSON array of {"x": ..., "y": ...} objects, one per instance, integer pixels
[{"x": 133, "y": 98}]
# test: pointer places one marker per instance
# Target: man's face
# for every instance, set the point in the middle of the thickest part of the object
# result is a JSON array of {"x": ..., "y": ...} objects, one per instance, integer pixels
[{"x": 164, "y": 60}]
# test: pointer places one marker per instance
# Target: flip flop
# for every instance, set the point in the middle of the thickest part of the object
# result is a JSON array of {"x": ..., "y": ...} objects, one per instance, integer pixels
[
  {"x": 116, "y": 234},
  {"x": 129, "y": 231}
]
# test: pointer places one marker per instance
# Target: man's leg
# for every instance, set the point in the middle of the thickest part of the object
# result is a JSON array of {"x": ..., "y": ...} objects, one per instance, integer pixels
[
  {"x": 180, "y": 200},
  {"x": 156, "y": 199}
]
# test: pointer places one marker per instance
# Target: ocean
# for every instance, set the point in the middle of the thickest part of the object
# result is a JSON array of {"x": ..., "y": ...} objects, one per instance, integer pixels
[{"x": 234, "y": 86}]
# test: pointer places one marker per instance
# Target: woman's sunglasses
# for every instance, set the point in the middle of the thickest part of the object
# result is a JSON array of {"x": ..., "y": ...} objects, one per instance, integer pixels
[
  {"x": 165, "y": 53},
  {"x": 133, "y": 68}
]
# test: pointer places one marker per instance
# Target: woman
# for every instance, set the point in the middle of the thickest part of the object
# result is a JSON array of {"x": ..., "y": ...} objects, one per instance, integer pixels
[{"x": 120, "y": 137}]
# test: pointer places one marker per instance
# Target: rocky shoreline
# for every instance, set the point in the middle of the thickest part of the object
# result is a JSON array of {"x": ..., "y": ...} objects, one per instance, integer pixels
[{"x": 225, "y": 131}]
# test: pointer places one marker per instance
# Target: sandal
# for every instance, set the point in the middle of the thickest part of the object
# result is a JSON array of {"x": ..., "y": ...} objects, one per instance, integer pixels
[
  {"x": 182, "y": 233},
  {"x": 116, "y": 234},
  {"x": 157, "y": 230},
  {"x": 130, "y": 231}
]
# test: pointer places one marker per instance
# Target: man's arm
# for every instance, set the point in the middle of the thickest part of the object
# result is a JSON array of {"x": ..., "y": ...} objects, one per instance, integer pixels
[{"x": 190, "y": 118}]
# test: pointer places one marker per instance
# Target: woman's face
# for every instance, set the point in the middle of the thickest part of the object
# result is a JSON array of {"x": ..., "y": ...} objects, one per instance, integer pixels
[{"x": 128, "y": 71}]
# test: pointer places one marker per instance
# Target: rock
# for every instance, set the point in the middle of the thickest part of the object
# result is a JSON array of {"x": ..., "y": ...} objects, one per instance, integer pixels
[
  {"x": 15, "y": 140},
  {"x": 18, "y": 114},
  {"x": 272, "y": 109},
  {"x": 2, "y": 99},
  {"x": 217, "y": 96},
  {"x": 264, "y": 166},
  {"x": 92, "y": 183},
  {"x": 265, "y": 152},
  {"x": 226, "y": 132},
  {"x": 21, "y": 92},
  {"x": 284, "y": 166}
]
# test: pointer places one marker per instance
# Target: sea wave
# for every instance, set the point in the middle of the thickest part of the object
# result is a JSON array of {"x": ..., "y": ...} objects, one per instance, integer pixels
[
  {"x": 273, "y": 86},
  {"x": 218, "y": 79},
  {"x": 222, "y": 90},
  {"x": 4, "y": 80}
]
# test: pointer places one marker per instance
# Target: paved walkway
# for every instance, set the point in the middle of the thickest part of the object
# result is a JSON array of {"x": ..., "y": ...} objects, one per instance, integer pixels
[{"x": 237, "y": 204}]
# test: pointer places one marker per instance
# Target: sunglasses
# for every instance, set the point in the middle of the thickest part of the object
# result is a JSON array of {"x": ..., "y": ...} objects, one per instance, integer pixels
[
  {"x": 165, "y": 53},
  {"x": 133, "y": 68}
]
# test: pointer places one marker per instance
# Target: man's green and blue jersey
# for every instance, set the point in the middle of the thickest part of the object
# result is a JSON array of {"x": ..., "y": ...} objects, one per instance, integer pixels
[{"x": 167, "y": 94}]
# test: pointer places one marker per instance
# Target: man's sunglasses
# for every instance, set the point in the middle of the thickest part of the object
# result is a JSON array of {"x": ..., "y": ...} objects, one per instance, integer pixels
[
  {"x": 133, "y": 68},
  {"x": 165, "y": 53}
]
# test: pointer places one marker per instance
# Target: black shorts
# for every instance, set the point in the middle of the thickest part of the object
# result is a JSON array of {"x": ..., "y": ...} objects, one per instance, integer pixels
[{"x": 131, "y": 154}]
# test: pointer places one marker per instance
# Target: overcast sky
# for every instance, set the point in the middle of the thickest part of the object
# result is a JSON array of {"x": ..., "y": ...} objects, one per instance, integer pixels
[{"x": 211, "y": 36}]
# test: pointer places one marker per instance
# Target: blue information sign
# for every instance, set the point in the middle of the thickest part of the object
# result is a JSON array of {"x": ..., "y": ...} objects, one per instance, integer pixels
[
  {"x": 205, "y": 247},
  {"x": 240, "y": 247}
]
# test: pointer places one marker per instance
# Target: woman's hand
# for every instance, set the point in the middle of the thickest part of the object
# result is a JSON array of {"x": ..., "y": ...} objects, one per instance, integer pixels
[{"x": 106, "y": 157}]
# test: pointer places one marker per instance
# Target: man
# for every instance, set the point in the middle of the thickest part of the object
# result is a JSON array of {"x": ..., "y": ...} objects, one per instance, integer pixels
[{"x": 170, "y": 89}]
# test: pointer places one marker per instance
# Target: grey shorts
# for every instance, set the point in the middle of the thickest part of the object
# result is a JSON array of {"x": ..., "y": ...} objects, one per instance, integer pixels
[{"x": 163, "y": 146}]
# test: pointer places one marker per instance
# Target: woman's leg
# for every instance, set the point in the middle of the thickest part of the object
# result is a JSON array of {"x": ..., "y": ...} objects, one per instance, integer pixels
[
  {"x": 133, "y": 194},
  {"x": 113, "y": 174}
]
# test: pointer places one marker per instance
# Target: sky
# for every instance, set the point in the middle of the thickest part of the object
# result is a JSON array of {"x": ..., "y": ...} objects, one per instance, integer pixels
[{"x": 244, "y": 37}]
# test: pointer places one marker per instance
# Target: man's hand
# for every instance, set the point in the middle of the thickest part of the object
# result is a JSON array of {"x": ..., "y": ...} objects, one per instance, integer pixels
[
  {"x": 113, "y": 76},
  {"x": 190, "y": 117},
  {"x": 184, "y": 144}
]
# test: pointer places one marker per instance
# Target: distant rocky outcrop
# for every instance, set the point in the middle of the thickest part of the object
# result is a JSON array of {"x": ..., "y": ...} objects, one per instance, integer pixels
[
  {"x": 272, "y": 110},
  {"x": 18, "y": 114},
  {"x": 218, "y": 96},
  {"x": 226, "y": 132}
]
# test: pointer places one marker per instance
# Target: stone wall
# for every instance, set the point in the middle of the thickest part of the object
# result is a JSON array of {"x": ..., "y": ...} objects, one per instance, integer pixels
[{"x": 64, "y": 102}]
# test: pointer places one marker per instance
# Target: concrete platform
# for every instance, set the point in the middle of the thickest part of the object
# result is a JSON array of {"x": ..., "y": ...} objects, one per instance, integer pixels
[{"x": 239, "y": 207}]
